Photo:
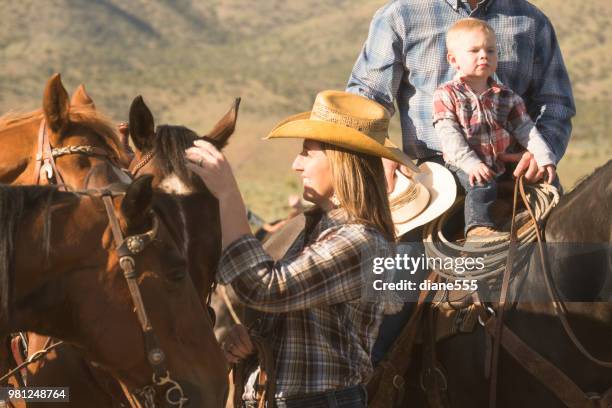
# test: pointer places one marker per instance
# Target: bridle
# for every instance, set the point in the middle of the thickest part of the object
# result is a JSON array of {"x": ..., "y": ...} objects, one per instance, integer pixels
[
  {"x": 144, "y": 160},
  {"x": 46, "y": 155},
  {"x": 127, "y": 248}
]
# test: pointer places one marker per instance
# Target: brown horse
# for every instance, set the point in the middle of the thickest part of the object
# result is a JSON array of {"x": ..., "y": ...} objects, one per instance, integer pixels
[
  {"x": 79, "y": 138},
  {"x": 76, "y": 291},
  {"x": 68, "y": 124},
  {"x": 160, "y": 153},
  {"x": 575, "y": 364}
]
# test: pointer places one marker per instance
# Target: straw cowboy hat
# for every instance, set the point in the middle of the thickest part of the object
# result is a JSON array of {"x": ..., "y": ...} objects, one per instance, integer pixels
[
  {"x": 361, "y": 124},
  {"x": 421, "y": 198},
  {"x": 346, "y": 120}
]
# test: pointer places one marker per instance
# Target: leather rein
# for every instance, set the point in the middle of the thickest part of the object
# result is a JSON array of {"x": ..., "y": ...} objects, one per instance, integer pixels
[
  {"x": 548, "y": 374},
  {"x": 127, "y": 248},
  {"x": 499, "y": 335}
]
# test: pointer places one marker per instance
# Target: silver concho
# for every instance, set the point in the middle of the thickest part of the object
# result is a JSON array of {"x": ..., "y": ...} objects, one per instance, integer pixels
[{"x": 135, "y": 244}]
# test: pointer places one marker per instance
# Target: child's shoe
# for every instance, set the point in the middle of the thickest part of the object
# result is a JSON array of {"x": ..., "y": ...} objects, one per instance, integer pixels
[{"x": 482, "y": 235}]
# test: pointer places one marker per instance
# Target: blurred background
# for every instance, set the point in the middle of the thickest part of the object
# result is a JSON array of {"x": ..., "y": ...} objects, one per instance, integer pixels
[{"x": 190, "y": 58}]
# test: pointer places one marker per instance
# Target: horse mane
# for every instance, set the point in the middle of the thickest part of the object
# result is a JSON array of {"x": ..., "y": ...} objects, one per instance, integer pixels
[
  {"x": 601, "y": 174},
  {"x": 14, "y": 201},
  {"x": 81, "y": 115},
  {"x": 169, "y": 146}
]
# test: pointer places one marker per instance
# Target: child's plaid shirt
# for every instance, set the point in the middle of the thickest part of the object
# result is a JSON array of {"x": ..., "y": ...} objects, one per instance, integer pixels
[
  {"x": 477, "y": 128},
  {"x": 321, "y": 330}
]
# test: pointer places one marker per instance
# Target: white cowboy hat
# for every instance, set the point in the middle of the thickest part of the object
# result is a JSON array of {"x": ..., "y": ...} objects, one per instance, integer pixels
[{"x": 421, "y": 198}]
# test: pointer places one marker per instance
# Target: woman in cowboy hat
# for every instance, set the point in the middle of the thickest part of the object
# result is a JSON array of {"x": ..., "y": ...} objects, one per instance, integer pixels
[{"x": 320, "y": 330}]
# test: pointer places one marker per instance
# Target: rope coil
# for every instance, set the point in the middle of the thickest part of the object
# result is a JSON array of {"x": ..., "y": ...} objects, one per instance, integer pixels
[{"x": 542, "y": 197}]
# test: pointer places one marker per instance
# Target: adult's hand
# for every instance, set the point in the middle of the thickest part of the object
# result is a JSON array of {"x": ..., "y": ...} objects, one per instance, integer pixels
[
  {"x": 210, "y": 164},
  {"x": 237, "y": 346},
  {"x": 526, "y": 166}
]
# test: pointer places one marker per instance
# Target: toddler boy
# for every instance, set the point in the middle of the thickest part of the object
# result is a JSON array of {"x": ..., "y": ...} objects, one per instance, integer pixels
[{"x": 477, "y": 119}]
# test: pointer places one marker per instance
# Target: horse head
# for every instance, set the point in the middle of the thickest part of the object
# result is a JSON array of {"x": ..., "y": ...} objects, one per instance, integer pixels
[
  {"x": 161, "y": 153},
  {"x": 60, "y": 142},
  {"x": 81, "y": 295}
]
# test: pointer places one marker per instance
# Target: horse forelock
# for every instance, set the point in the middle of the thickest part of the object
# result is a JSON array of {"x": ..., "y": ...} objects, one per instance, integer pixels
[{"x": 169, "y": 148}]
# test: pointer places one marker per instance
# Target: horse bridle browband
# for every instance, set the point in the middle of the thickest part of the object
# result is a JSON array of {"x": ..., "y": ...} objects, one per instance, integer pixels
[
  {"x": 46, "y": 155},
  {"x": 127, "y": 248}
]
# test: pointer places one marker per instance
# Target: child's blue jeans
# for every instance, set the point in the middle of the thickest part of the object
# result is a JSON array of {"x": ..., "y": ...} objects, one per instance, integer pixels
[{"x": 479, "y": 199}]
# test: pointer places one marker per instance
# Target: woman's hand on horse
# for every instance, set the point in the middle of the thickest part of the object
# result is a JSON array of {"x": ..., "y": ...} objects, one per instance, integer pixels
[
  {"x": 209, "y": 163},
  {"x": 237, "y": 346}
]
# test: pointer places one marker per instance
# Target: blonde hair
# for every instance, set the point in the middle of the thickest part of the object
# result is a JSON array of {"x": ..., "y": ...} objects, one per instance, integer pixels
[
  {"x": 361, "y": 188},
  {"x": 466, "y": 25}
]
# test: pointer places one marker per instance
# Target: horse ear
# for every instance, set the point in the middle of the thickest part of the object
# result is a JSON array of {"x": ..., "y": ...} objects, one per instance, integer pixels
[
  {"x": 226, "y": 126},
  {"x": 142, "y": 125},
  {"x": 55, "y": 104},
  {"x": 81, "y": 98},
  {"x": 137, "y": 201}
]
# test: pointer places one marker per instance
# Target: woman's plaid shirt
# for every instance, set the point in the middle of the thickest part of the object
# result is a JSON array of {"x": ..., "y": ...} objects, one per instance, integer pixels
[{"x": 320, "y": 330}]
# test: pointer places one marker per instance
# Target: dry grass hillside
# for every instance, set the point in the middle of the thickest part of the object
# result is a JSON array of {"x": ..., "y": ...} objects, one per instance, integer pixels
[{"x": 190, "y": 58}]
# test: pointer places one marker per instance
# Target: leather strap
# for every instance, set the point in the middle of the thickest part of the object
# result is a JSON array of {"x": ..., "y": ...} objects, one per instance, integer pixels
[
  {"x": 155, "y": 354},
  {"x": 502, "y": 298},
  {"x": 267, "y": 373},
  {"x": 558, "y": 305},
  {"x": 387, "y": 385},
  {"x": 548, "y": 374},
  {"x": 39, "y": 151},
  {"x": 433, "y": 379},
  {"x": 46, "y": 155}
]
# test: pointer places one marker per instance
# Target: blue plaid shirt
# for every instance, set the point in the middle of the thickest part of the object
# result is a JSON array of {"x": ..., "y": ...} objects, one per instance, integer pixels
[{"x": 404, "y": 60}]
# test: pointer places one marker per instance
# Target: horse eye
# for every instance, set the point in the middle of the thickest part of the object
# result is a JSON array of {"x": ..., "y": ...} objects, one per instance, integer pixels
[{"x": 176, "y": 274}]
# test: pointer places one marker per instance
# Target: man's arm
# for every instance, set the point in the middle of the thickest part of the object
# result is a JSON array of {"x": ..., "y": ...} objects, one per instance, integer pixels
[
  {"x": 379, "y": 68},
  {"x": 550, "y": 97},
  {"x": 527, "y": 134}
]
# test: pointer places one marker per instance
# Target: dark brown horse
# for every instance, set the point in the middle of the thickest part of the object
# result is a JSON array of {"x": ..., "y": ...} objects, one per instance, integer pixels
[
  {"x": 578, "y": 234},
  {"x": 160, "y": 152},
  {"x": 59, "y": 276}
]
